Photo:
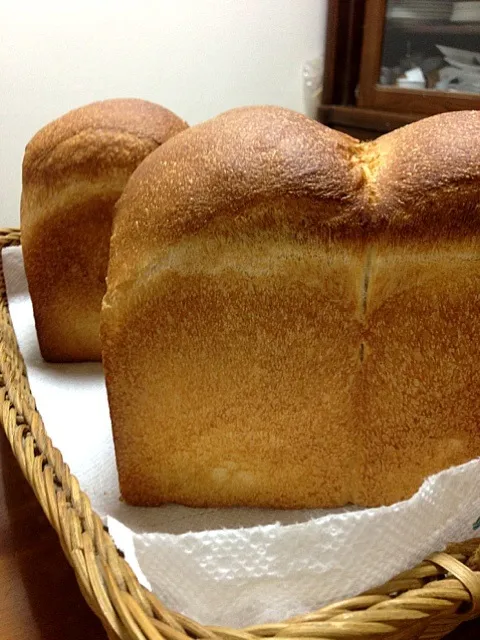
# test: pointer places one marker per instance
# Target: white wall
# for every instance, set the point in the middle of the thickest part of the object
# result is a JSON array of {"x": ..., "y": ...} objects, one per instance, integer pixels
[{"x": 196, "y": 57}]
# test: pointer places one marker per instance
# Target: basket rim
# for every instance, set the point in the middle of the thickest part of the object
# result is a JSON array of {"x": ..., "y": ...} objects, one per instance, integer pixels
[{"x": 438, "y": 594}]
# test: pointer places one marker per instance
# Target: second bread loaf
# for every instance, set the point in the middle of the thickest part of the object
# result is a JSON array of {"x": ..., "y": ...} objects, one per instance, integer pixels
[{"x": 74, "y": 171}]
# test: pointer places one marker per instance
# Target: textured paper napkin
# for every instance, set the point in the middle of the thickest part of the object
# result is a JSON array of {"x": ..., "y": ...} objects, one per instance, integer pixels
[{"x": 235, "y": 566}]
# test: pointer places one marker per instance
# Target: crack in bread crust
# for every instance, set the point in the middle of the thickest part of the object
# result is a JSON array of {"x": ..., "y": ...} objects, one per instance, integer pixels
[{"x": 366, "y": 157}]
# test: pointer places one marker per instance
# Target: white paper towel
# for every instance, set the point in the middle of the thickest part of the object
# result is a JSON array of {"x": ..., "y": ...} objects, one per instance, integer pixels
[{"x": 235, "y": 566}]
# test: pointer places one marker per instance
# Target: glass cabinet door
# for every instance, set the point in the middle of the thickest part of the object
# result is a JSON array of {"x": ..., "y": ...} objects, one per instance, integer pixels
[
  {"x": 431, "y": 44},
  {"x": 420, "y": 56}
]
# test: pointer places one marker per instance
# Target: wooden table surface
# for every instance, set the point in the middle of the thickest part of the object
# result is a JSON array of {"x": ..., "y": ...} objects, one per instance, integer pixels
[{"x": 39, "y": 597}]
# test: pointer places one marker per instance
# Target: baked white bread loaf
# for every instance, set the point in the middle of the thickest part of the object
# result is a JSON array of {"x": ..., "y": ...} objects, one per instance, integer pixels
[
  {"x": 293, "y": 317},
  {"x": 74, "y": 170}
]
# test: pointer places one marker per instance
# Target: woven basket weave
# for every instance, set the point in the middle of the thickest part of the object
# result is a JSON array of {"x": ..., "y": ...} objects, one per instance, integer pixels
[{"x": 426, "y": 602}]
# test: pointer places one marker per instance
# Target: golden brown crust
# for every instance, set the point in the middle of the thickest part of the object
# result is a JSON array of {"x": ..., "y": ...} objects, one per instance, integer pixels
[
  {"x": 216, "y": 172},
  {"x": 298, "y": 313},
  {"x": 427, "y": 176},
  {"x": 131, "y": 116},
  {"x": 239, "y": 162},
  {"x": 74, "y": 171}
]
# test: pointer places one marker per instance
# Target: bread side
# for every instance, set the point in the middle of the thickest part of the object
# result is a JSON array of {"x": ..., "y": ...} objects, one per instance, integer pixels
[
  {"x": 418, "y": 390},
  {"x": 282, "y": 329},
  {"x": 74, "y": 171},
  {"x": 225, "y": 375}
]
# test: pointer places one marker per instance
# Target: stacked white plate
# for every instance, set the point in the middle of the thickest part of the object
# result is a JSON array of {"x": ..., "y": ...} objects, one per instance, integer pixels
[
  {"x": 466, "y": 11},
  {"x": 463, "y": 72},
  {"x": 461, "y": 58},
  {"x": 428, "y": 10}
]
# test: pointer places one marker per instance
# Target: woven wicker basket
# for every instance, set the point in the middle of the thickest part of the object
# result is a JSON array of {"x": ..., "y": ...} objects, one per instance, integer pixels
[{"x": 427, "y": 602}]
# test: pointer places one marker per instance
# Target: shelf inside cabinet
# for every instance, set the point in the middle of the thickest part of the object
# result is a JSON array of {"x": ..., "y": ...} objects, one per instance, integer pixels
[{"x": 457, "y": 28}]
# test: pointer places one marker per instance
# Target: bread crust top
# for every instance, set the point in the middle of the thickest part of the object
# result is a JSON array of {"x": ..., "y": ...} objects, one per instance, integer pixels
[
  {"x": 257, "y": 169},
  {"x": 86, "y": 133}
]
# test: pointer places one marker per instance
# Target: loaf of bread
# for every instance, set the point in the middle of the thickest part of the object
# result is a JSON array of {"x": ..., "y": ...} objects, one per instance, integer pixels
[
  {"x": 74, "y": 170},
  {"x": 293, "y": 317}
]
